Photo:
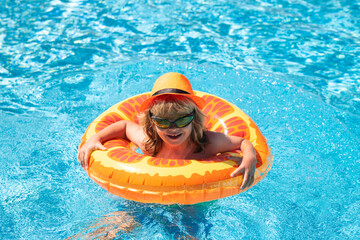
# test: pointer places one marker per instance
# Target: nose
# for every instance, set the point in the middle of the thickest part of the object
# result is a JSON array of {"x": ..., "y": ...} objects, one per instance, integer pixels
[{"x": 172, "y": 126}]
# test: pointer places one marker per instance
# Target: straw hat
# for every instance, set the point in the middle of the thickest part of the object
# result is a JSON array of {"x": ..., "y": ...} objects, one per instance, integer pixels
[{"x": 173, "y": 84}]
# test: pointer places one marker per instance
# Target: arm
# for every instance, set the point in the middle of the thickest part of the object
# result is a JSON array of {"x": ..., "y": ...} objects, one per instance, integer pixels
[
  {"x": 223, "y": 143},
  {"x": 121, "y": 129}
]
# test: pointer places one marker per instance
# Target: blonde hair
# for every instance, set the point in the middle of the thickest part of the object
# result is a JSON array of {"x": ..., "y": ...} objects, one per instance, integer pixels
[{"x": 168, "y": 106}]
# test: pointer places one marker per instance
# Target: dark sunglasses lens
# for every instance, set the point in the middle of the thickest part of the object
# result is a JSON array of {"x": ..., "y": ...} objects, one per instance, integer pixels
[
  {"x": 162, "y": 123},
  {"x": 184, "y": 121}
]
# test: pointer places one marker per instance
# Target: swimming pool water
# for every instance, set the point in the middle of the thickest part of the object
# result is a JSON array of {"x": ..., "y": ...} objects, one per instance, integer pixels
[{"x": 292, "y": 66}]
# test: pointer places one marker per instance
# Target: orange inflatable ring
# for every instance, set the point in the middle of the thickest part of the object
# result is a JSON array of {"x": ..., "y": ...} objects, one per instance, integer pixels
[{"x": 134, "y": 176}]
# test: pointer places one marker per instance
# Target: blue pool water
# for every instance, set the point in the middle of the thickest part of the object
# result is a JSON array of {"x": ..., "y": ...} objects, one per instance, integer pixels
[{"x": 293, "y": 66}]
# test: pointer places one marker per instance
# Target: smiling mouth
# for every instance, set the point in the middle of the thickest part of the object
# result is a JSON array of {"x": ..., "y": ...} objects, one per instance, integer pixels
[{"x": 174, "y": 136}]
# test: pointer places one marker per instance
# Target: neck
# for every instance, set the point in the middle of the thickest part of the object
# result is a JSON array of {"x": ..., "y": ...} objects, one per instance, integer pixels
[{"x": 184, "y": 151}]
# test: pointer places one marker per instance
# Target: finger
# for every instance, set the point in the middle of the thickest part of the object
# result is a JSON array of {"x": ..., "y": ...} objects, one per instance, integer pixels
[
  {"x": 251, "y": 182},
  {"x": 81, "y": 163},
  {"x": 237, "y": 172},
  {"x": 101, "y": 147},
  {"x": 80, "y": 157},
  {"x": 86, "y": 160},
  {"x": 245, "y": 181}
]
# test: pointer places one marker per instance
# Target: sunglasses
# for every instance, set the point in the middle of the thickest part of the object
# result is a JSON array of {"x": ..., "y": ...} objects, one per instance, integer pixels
[{"x": 179, "y": 123}]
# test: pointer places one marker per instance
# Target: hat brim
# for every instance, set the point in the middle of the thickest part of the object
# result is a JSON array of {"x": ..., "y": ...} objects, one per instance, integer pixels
[{"x": 199, "y": 101}]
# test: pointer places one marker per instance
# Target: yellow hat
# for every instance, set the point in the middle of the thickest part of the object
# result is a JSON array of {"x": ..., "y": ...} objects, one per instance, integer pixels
[{"x": 174, "y": 84}]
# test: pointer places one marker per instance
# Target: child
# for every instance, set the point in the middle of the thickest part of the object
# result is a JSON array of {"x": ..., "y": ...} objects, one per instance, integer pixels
[{"x": 172, "y": 126}]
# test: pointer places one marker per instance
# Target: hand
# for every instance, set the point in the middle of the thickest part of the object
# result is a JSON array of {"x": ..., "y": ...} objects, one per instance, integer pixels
[
  {"x": 86, "y": 150},
  {"x": 247, "y": 166}
]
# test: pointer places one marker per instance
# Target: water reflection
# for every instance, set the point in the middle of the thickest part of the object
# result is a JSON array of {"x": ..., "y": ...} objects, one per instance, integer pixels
[
  {"x": 301, "y": 39},
  {"x": 167, "y": 221}
]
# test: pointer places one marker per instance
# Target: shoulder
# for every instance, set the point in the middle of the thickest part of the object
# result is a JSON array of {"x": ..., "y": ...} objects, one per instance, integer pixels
[
  {"x": 215, "y": 138},
  {"x": 134, "y": 128},
  {"x": 132, "y": 125}
]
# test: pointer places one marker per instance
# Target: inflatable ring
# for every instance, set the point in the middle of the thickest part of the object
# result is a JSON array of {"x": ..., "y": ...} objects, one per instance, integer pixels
[{"x": 134, "y": 176}]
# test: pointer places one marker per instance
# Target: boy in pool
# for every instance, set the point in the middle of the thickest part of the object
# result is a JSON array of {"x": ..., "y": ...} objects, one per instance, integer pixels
[{"x": 172, "y": 126}]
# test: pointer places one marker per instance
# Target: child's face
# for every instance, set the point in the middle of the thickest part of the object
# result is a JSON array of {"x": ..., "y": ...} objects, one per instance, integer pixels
[{"x": 173, "y": 135}]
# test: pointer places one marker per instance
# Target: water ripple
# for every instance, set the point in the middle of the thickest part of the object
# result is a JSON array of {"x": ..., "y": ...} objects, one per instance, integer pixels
[{"x": 317, "y": 42}]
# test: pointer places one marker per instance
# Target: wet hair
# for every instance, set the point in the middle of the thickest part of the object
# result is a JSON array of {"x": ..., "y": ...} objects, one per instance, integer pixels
[{"x": 168, "y": 106}]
